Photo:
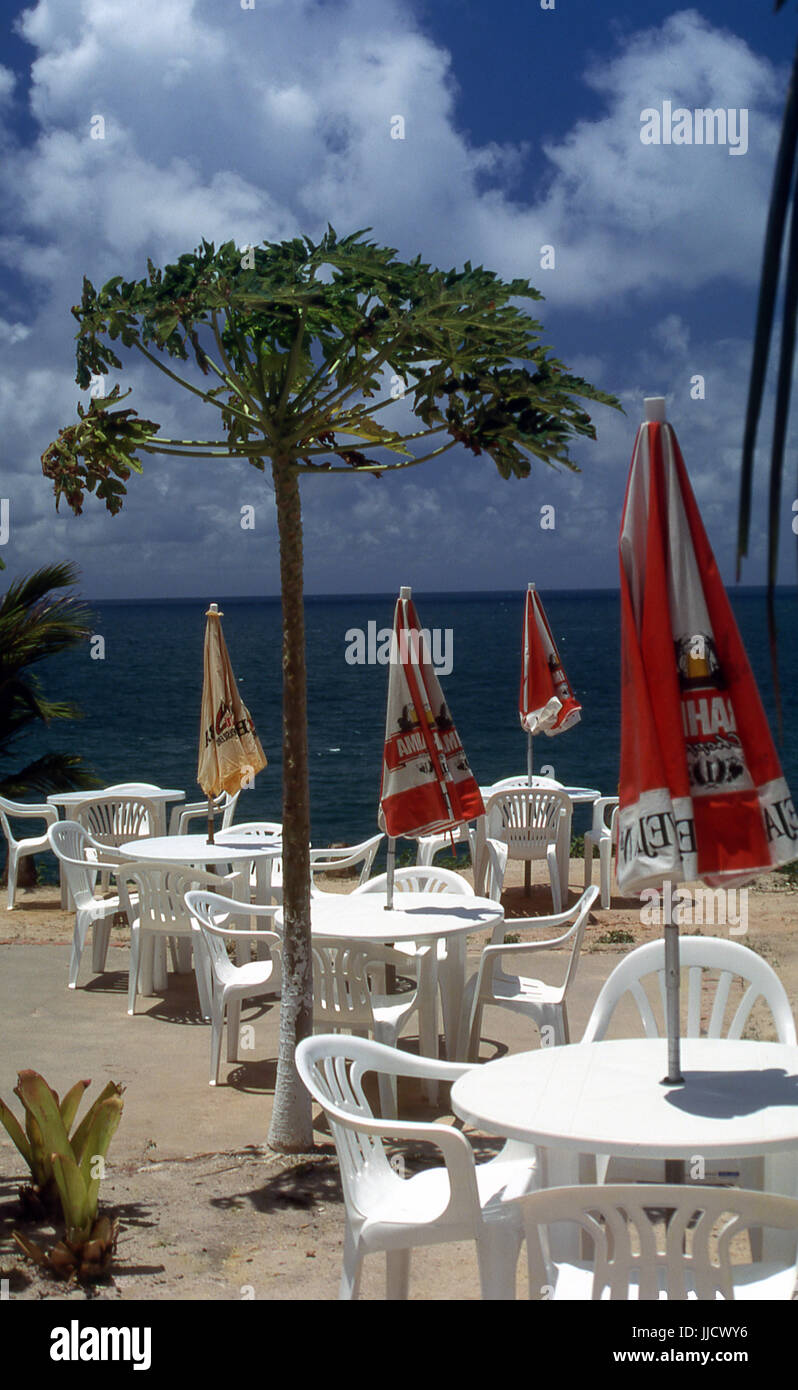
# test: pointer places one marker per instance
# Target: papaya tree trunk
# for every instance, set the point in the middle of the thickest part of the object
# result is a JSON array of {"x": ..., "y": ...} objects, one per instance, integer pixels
[{"x": 291, "y": 1128}]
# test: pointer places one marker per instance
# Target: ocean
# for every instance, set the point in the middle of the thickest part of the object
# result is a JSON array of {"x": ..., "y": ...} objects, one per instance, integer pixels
[{"x": 141, "y": 700}]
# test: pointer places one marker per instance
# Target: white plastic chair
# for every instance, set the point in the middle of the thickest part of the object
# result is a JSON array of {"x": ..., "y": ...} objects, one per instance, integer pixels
[
  {"x": 117, "y": 818},
  {"x": 430, "y": 845},
  {"x": 601, "y": 836},
  {"x": 346, "y": 857},
  {"x": 266, "y": 878},
  {"x": 493, "y": 987},
  {"x": 224, "y": 804},
  {"x": 430, "y": 966},
  {"x": 161, "y": 912},
  {"x": 384, "y": 1211},
  {"x": 22, "y": 849},
  {"x": 349, "y": 993},
  {"x": 70, "y": 843},
  {"x": 230, "y": 983},
  {"x": 687, "y": 1256},
  {"x": 697, "y": 954},
  {"x": 534, "y": 823}
]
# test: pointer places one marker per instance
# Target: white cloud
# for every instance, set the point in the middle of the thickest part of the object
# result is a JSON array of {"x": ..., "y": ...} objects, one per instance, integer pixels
[{"x": 258, "y": 124}]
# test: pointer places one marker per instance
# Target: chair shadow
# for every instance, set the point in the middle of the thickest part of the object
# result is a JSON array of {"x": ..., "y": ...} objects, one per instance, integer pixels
[{"x": 306, "y": 1184}]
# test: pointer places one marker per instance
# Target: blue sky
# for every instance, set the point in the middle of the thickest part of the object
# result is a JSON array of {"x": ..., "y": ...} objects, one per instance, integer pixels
[{"x": 522, "y": 129}]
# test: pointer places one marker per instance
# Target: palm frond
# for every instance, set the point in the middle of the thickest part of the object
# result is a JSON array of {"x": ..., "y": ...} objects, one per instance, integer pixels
[
  {"x": 53, "y": 772},
  {"x": 768, "y": 287}
]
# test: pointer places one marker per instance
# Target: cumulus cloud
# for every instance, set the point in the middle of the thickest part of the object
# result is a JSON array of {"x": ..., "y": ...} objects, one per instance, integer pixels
[{"x": 224, "y": 123}]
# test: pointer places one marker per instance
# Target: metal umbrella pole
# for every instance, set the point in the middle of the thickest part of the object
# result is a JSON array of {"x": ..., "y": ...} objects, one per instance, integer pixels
[
  {"x": 391, "y": 866},
  {"x": 674, "y": 1077}
]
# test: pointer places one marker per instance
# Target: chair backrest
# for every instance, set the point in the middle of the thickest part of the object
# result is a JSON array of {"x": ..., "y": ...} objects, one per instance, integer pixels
[
  {"x": 18, "y": 808},
  {"x": 420, "y": 878},
  {"x": 638, "y": 1253},
  {"x": 332, "y": 1068},
  {"x": 510, "y": 783},
  {"x": 229, "y": 808},
  {"x": 345, "y": 974},
  {"x": 251, "y": 830},
  {"x": 526, "y": 819},
  {"x": 118, "y": 818},
  {"x": 696, "y": 954},
  {"x": 221, "y": 918},
  {"x": 162, "y": 890},
  {"x": 69, "y": 842},
  {"x": 134, "y": 788},
  {"x": 346, "y": 856}
]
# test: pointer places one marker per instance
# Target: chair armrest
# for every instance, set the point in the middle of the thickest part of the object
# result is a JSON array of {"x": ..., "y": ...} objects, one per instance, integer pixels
[{"x": 38, "y": 811}]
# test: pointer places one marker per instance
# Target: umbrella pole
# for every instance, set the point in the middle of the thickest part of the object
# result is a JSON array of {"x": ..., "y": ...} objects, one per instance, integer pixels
[
  {"x": 391, "y": 862},
  {"x": 211, "y": 840},
  {"x": 674, "y": 1077},
  {"x": 527, "y": 863}
]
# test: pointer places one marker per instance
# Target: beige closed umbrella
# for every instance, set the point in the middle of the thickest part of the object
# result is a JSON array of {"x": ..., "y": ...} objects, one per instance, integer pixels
[{"x": 229, "y": 752}]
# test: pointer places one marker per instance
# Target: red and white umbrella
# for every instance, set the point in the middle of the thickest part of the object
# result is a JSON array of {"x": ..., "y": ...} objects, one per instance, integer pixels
[
  {"x": 546, "y": 703},
  {"x": 427, "y": 784},
  {"x": 702, "y": 794}
]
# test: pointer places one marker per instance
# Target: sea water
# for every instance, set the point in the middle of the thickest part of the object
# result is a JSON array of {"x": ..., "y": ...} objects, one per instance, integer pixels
[{"x": 141, "y": 698}]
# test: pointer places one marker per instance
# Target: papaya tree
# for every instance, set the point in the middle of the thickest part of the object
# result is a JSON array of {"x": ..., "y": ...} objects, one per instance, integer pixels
[{"x": 314, "y": 357}]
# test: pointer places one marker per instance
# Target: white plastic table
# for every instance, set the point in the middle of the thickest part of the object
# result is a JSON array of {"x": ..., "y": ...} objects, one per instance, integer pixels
[
  {"x": 423, "y": 917},
  {"x": 740, "y": 1099}
]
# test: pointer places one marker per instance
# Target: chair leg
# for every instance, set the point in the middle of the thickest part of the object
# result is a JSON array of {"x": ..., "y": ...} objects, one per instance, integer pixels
[
  {"x": 101, "y": 938},
  {"x": 353, "y": 1263},
  {"x": 397, "y": 1273},
  {"x": 605, "y": 873},
  {"x": 498, "y": 1248},
  {"x": 588, "y": 859},
  {"x": 133, "y": 978},
  {"x": 233, "y": 1029},
  {"x": 78, "y": 942},
  {"x": 217, "y": 1024},
  {"x": 12, "y": 876},
  {"x": 554, "y": 876}
]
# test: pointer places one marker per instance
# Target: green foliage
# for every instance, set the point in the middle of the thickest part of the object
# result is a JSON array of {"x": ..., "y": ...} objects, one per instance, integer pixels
[
  {"x": 783, "y": 211},
  {"x": 616, "y": 936},
  {"x": 35, "y": 623},
  {"x": 66, "y": 1168},
  {"x": 790, "y": 872},
  {"x": 298, "y": 339}
]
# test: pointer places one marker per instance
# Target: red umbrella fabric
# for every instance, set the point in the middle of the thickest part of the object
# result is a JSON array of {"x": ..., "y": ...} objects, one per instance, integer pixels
[
  {"x": 702, "y": 794},
  {"x": 546, "y": 703},
  {"x": 427, "y": 784}
]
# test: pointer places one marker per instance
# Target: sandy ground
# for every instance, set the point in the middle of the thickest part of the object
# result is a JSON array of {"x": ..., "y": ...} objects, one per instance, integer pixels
[{"x": 214, "y": 1221}]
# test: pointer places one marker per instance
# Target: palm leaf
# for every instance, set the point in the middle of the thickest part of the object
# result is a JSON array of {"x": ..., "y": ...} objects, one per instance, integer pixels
[{"x": 777, "y": 217}]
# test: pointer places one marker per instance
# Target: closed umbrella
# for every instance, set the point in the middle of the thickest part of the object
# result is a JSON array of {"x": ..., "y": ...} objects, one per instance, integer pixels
[
  {"x": 427, "y": 784},
  {"x": 702, "y": 793},
  {"x": 546, "y": 702},
  {"x": 229, "y": 750}
]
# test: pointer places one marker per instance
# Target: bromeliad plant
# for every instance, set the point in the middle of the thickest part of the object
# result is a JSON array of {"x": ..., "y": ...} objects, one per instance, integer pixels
[{"x": 66, "y": 1170}]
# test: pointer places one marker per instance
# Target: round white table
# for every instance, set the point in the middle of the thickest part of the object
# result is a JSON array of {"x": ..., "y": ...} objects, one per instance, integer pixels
[
  {"x": 740, "y": 1099},
  {"x": 425, "y": 918}
]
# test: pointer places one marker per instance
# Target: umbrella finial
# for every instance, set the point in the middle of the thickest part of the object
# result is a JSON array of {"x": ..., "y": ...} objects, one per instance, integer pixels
[
  {"x": 213, "y": 611},
  {"x": 405, "y": 591},
  {"x": 654, "y": 408}
]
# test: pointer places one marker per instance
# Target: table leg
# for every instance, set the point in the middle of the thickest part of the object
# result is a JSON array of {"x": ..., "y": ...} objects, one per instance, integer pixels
[
  {"x": 451, "y": 973},
  {"x": 781, "y": 1177}
]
